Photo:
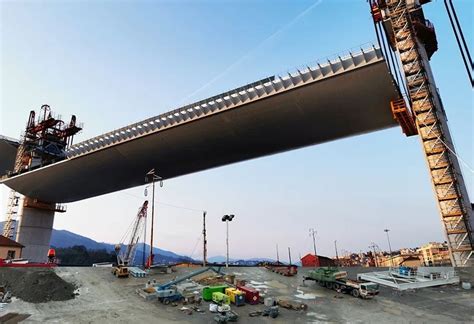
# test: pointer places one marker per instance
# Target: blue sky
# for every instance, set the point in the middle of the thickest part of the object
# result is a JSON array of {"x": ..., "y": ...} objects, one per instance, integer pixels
[{"x": 114, "y": 63}]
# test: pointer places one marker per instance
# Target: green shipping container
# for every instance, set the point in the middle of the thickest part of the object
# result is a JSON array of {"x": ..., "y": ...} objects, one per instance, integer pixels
[
  {"x": 327, "y": 274},
  {"x": 207, "y": 291}
]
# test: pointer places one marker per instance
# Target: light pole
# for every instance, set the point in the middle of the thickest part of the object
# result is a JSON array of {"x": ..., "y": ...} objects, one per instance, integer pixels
[
  {"x": 204, "y": 253},
  {"x": 152, "y": 177},
  {"x": 373, "y": 245},
  {"x": 389, "y": 246},
  {"x": 312, "y": 233},
  {"x": 227, "y": 219}
]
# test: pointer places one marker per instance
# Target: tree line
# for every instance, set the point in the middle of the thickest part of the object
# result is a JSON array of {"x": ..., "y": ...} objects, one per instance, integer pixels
[{"x": 79, "y": 255}]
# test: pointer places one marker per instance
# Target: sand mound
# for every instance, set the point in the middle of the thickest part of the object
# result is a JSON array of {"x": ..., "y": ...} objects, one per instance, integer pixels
[{"x": 36, "y": 285}]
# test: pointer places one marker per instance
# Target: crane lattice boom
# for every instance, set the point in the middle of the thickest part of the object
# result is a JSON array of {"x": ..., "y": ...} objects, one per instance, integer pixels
[{"x": 126, "y": 257}]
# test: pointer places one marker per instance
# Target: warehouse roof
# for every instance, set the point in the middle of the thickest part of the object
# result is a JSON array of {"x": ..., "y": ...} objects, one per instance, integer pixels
[{"x": 5, "y": 241}]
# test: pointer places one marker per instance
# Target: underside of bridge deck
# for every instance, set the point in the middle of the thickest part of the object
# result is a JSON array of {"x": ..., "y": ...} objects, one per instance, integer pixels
[{"x": 348, "y": 103}]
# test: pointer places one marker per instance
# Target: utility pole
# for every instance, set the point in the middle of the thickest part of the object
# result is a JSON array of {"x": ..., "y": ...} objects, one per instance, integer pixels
[
  {"x": 375, "y": 254},
  {"x": 152, "y": 219},
  {"x": 151, "y": 176},
  {"x": 337, "y": 257},
  {"x": 144, "y": 246},
  {"x": 278, "y": 257},
  {"x": 289, "y": 255},
  {"x": 312, "y": 233},
  {"x": 204, "y": 253},
  {"x": 389, "y": 246}
]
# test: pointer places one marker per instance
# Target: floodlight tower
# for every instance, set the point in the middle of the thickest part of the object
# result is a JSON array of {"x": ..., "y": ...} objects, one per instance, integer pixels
[{"x": 227, "y": 219}]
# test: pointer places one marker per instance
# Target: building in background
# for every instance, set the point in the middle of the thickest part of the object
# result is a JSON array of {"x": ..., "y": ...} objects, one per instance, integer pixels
[
  {"x": 311, "y": 260},
  {"x": 407, "y": 260},
  {"x": 435, "y": 254},
  {"x": 406, "y": 257},
  {"x": 9, "y": 249},
  {"x": 431, "y": 254}
]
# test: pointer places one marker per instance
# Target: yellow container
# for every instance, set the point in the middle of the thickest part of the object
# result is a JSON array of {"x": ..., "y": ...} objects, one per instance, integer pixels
[{"x": 237, "y": 297}]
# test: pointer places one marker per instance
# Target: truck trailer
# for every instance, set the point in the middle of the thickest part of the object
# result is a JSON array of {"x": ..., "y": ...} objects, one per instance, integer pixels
[{"x": 333, "y": 278}]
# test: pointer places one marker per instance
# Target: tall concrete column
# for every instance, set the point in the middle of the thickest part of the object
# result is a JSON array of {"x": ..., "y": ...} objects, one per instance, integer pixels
[{"x": 35, "y": 228}]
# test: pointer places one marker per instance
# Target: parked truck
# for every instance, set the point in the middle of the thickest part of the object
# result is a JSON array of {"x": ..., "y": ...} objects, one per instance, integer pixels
[{"x": 333, "y": 278}]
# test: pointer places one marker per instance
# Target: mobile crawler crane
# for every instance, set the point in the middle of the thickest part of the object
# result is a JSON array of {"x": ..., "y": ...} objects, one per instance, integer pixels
[
  {"x": 125, "y": 258},
  {"x": 402, "y": 23}
]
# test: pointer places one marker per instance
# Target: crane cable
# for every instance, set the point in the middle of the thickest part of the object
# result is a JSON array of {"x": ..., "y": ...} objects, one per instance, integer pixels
[
  {"x": 382, "y": 45},
  {"x": 386, "y": 49},
  {"x": 459, "y": 34},
  {"x": 163, "y": 203},
  {"x": 195, "y": 246}
]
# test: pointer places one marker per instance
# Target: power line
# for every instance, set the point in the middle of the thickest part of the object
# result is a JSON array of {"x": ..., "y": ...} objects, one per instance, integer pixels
[
  {"x": 164, "y": 204},
  {"x": 195, "y": 246},
  {"x": 462, "y": 47}
]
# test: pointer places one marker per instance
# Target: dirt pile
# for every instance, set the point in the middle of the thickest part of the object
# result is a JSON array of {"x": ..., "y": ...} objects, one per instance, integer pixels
[{"x": 35, "y": 285}]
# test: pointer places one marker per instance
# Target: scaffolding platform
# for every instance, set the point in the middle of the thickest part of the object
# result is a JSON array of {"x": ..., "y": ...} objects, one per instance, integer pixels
[{"x": 404, "y": 278}]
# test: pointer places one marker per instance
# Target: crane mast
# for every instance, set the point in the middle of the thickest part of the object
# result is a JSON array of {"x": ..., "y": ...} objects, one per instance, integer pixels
[{"x": 414, "y": 38}]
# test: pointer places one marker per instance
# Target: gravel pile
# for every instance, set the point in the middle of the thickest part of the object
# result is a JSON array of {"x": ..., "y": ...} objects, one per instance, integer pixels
[{"x": 35, "y": 285}]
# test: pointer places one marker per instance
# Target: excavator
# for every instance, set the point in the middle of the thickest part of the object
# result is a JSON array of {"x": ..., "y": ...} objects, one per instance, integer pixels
[{"x": 125, "y": 256}]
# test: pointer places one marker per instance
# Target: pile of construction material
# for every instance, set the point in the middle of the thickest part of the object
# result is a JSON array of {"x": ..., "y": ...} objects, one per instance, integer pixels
[
  {"x": 5, "y": 295},
  {"x": 137, "y": 272},
  {"x": 35, "y": 285},
  {"x": 223, "y": 292},
  {"x": 284, "y": 270},
  {"x": 216, "y": 279}
]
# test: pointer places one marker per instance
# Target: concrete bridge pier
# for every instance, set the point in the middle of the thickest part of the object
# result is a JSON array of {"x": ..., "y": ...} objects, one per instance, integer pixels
[{"x": 35, "y": 228}]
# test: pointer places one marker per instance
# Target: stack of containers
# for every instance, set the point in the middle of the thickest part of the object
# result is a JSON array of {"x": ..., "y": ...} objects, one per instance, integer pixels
[{"x": 207, "y": 291}]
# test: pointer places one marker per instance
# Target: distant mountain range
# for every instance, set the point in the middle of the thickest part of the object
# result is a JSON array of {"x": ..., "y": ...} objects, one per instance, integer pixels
[
  {"x": 219, "y": 259},
  {"x": 65, "y": 239},
  {"x": 252, "y": 261}
]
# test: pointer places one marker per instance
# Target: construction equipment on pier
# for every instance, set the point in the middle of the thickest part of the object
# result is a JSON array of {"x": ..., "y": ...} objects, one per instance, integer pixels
[{"x": 44, "y": 141}]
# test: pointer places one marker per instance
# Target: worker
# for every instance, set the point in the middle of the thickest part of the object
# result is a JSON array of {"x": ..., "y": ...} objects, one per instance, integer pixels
[{"x": 51, "y": 256}]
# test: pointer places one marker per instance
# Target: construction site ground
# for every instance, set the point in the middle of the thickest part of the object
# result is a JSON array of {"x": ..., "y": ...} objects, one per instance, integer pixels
[{"x": 102, "y": 298}]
